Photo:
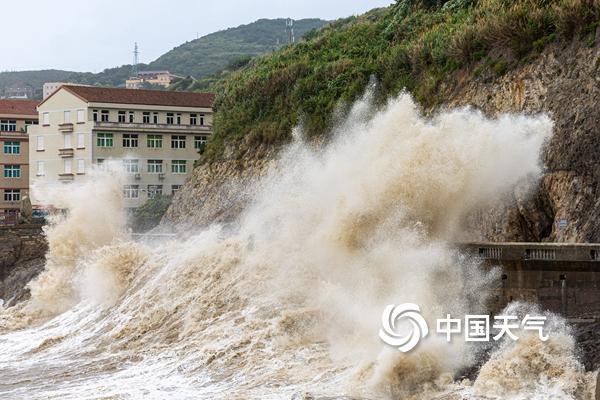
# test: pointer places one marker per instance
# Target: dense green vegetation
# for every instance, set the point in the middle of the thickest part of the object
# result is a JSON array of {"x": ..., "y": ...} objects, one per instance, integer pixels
[
  {"x": 198, "y": 58},
  {"x": 420, "y": 45},
  {"x": 149, "y": 214},
  {"x": 211, "y": 53}
]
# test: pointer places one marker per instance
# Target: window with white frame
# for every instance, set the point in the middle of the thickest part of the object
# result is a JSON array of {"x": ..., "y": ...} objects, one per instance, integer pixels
[
  {"x": 178, "y": 167},
  {"x": 178, "y": 141},
  {"x": 201, "y": 119},
  {"x": 155, "y": 117},
  {"x": 155, "y": 166},
  {"x": 169, "y": 118},
  {"x": 104, "y": 140},
  {"x": 8, "y": 125},
  {"x": 67, "y": 117},
  {"x": 12, "y": 147},
  {"x": 121, "y": 116},
  {"x": 193, "y": 119},
  {"x": 199, "y": 142},
  {"x": 175, "y": 188},
  {"x": 81, "y": 140},
  {"x": 41, "y": 170},
  {"x": 130, "y": 140},
  {"x": 146, "y": 117},
  {"x": 40, "y": 143},
  {"x": 80, "y": 116},
  {"x": 104, "y": 114},
  {"x": 131, "y": 166},
  {"x": 46, "y": 118},
  {"x": 12, "y": 171},
  {"x": 80, "y": 166},
  {"x": 154, "y": 141},
  {"x": 67, "y": 166},
  {"x": 12, "y": 195},
  {"x": 178, "y": 118},
  {"x": 131, "y": 117},
  {"x": 67, "y": 141},
  {"x": 154, "y": 190},
  {"x": 95, "y": 115},
  {"x": 131, "y": 191}
]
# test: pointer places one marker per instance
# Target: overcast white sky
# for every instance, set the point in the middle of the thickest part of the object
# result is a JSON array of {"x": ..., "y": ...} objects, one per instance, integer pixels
[{"x": 90, "y": 35}]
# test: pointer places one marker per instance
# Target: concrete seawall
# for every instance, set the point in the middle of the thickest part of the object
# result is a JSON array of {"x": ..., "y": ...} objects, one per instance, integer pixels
[{"x": 561, "y": 277}]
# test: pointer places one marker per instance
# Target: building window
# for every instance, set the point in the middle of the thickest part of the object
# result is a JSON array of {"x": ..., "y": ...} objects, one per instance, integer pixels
[
  {"x": 155, "y": 117},
  {"x": 100, "y": 164},
  {"x": 67, "y": 141},
  {"x": 40, "y": 168},
  {"x": 177, "y": 142},
  {"x": 146, "y": 117},
  {"x": 28, "y": 122},
  {"x": 131, "y": 191},
  {"x": 121, "y": 116},
  {"x": 46, "y": 118},
  {"x": 155, "y": 166},
  {"x": 130, "y": 140},
  {"x": 81, "y": 166},
  {"x": 12, "y": 171},
  {"x": 193, "y": 119},
  {"x": 199, "y": 142},
  {"x": 104, "y": 140},
  {"x": 12, "y": 147},
  {"x": 80, "y": 116},
  {"x": 95, "y": 115},
  {"x": 178, "y": 118},
  {"x": 8, "y": 125},
  {"x": 169, "y": 118},
  {"x": 131, "y": 117},
  {"x": 81, "y": 140},
  {"x": 175, "y": 189},
  {"x": 104, "y": 115},
  {"x": 67, "y": 166},
  {"x": 12, "y": 195},
  {"x": 154, "y": 190},
  {"x": 67, "y": 117},
  {"x": 40, "y": 143},
  {"x": 178, "y": 167},
  {"x": 155, "y": 141},
  {"x": 131, "y": 166},
  {"x": 202, "y": 119}
]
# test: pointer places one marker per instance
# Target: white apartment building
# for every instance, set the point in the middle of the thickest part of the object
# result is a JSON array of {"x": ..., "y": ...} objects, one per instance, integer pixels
[{"x": 156, "y": 135}]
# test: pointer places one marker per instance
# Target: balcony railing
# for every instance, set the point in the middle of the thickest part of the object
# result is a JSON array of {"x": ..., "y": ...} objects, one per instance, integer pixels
[
  {"x": 66, "y": 153},
  {"x": 66, "y": 176},
  {"x": 132, "y": 126},
  {"x": 66, "y": 127}
]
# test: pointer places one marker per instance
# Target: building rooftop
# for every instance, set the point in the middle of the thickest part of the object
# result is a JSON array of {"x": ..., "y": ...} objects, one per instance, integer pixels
[
  {"x": 95, "y": 94},
  {"x": 19, "y": 107}
]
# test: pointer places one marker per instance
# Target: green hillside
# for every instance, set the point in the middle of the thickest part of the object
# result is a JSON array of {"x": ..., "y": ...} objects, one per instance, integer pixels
[
  {"x": 212, "y": 53},
  {"x": 200, "y": 57},
  {"x": 420, "y": 45}
]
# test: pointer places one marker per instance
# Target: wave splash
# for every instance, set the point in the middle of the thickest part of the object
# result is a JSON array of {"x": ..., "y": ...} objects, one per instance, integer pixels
[{"x": 290, "y": 300}]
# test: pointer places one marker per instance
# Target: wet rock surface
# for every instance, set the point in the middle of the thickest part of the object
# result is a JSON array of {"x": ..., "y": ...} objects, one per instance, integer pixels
[{"x": 22, "y": 256}]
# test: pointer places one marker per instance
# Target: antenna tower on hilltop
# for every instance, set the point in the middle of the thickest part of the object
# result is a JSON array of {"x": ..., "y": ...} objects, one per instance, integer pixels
[
  {"x": 289, "y": 30},
  {"x": 136, "y": 60}
]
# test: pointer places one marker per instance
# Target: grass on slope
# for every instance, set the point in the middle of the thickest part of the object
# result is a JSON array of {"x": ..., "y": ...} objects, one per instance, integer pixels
[{"x": 419, "y": 45}]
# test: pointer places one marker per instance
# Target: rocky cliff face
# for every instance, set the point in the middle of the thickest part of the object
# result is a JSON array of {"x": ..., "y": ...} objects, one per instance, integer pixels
[
  {"x": 22, "y": 256},
  {"x": 564, "y": 81}
]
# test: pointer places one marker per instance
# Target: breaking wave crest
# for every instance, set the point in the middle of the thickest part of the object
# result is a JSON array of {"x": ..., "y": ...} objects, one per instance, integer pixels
[{"x": 290, "y": 300}]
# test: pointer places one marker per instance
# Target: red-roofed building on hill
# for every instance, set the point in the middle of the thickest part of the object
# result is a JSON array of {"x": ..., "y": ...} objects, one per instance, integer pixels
[
  {"x": 16, "y": 116},
  {"x": 155, "y": 134}
]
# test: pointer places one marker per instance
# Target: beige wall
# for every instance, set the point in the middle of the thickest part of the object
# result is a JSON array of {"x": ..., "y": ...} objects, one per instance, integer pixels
[{"x": 90, "y": 153}]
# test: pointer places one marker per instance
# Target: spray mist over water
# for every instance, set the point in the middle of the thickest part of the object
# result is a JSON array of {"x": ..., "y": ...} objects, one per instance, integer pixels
[{"x": 290, "y": 300}]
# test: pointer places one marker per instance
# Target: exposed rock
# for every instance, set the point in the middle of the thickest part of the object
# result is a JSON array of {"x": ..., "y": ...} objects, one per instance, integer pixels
[{"x": 22, "y": 256}]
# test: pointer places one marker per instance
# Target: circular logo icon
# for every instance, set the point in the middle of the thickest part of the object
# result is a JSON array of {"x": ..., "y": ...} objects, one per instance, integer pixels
[{"x": 390, "y": 318}]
